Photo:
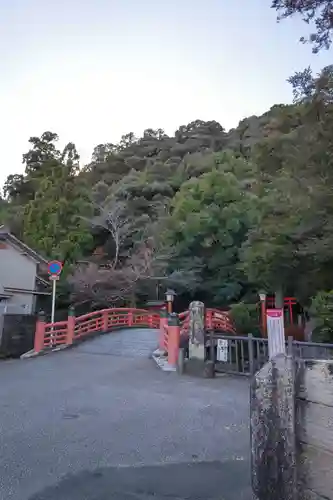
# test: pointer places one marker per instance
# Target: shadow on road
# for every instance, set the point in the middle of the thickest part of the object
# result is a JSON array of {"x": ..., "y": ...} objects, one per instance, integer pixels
[{"x": 195, "y": 481}]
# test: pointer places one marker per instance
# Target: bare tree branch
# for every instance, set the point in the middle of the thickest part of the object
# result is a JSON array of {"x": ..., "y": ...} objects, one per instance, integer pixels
[
  {"x": 111, "y": 285},
  {"x": 117, "y": 280},
  {"x": 112, "y": 218}
]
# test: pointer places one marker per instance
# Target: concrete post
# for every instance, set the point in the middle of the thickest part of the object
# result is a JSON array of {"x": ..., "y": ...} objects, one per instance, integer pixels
[
  {"x": 70, "y": 325},
  {"x": 40, "y": 332}
]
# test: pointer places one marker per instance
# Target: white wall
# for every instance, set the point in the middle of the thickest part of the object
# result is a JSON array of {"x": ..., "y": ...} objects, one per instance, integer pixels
[{"x": 18, "y": 271}]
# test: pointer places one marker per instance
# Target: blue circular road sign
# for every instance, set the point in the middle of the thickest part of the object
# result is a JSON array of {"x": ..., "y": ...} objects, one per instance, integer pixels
[{"x": 54, "y": 267}]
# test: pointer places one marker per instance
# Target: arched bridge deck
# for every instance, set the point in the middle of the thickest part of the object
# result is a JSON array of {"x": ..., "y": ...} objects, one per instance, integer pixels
[
  {"x": 76, "y": 329},
  {"x": 125, "y": 342}
]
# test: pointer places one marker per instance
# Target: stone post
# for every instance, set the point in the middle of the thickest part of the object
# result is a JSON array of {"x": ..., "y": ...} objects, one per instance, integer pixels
[
  {"x": 273, "y": 437},
  {"x": 196, "y": 345},
  {"x": 197, "y": 330}
]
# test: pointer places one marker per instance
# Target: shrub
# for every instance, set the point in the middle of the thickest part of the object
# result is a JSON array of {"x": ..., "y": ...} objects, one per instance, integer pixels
[{"x": 245, "y": 318}]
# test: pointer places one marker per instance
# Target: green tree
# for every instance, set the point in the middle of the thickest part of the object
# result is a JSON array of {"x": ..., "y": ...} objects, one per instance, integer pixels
[
  {"x": 3, "y": 210},
  {"x": 291, "y": 245},
  {"x": 316, "y": 12},
  {"x": 322, "y": 309},
  {"x": 211, "y": 216},
  {"x": 53, "y": 220}
]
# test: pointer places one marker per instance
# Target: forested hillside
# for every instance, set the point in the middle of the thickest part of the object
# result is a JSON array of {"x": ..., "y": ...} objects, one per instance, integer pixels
[{"x": 217, "y": 215}]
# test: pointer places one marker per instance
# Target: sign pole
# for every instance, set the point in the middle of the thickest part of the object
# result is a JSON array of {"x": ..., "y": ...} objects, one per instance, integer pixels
[
  {"x": 54, "y": 270},
  {"x": 54, "y": 287}
]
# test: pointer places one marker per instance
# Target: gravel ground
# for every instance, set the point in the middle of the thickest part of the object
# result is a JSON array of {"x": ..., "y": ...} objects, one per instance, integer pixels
[{"x": 101, "y": 422}]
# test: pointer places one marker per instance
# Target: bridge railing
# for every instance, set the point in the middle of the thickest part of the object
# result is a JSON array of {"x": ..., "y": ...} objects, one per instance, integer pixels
[
  {"x": 62, "y": 333},
  {"x": 218, "y": 320},
  {"x": 55, "y": 334},
  {"x": 176, "y": 326},
  {"x": 215, "y": 319},
  {"x": 184, "y": 319},
  {"x": 49, "y": 335}
]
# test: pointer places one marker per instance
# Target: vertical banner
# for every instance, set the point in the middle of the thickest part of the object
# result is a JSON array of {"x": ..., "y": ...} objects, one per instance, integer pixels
[{"x": 275, "y": 332}]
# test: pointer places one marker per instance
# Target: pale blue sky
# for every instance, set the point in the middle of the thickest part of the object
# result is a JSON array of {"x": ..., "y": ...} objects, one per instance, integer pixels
[{"x": 92, "y": 70}]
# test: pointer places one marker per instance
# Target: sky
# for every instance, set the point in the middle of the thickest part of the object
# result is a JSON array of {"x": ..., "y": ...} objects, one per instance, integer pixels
[{"x": 93, "y": 70}]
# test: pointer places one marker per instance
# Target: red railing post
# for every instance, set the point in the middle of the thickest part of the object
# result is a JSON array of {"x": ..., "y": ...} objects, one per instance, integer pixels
[
  {"x": 209, "y": 319},
  {"x": 105, "y": 320},
  {"x": 130, "y": 318},
  {"x": 150, "y": 320},
  {"x": 173, "y": 339},
  {"x": 163, "y": 324},
  {"x": 70, "y": 326},
  {"x": 40, "y": 332}
]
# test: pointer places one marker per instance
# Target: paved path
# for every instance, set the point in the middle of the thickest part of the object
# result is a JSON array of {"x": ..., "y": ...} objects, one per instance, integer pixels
[{"x": 102, "y": 422}]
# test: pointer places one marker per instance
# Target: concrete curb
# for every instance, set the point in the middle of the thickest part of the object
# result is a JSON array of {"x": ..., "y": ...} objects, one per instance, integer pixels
[{"x": 33, "y": 354}]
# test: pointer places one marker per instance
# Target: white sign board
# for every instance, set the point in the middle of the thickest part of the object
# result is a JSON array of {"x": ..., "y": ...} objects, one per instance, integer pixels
[
  {"x": 222, "y": 350},
  {"x": 275, "y": 332}
]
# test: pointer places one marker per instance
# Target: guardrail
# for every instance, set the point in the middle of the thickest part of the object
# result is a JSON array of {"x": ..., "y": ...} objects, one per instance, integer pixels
[{"x": 244, "y": 355}]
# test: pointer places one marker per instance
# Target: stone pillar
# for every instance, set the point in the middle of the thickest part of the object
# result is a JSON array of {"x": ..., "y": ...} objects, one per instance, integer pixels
[
  {"x": 273, "y": 437},
  {"x": 196, "y": 345},
  {"x": 197, "y": 330}
]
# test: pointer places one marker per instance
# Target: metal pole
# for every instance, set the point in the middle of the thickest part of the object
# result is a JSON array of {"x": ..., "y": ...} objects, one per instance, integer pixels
[
  {"x": 251, "y": 353},
  {"x": 53, "y": 299}
]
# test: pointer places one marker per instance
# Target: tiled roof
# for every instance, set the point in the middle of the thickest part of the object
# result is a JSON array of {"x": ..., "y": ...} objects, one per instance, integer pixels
[{"x": 5, "y": 234}]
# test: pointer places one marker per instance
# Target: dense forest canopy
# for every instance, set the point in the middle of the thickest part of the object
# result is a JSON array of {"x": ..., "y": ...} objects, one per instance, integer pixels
[{"x": 218, "y": 215}]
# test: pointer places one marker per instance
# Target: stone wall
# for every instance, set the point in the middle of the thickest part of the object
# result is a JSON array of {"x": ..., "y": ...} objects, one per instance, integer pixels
[
  {"x": 17, "y": 334},
  {"x": 292, "y": 430}
]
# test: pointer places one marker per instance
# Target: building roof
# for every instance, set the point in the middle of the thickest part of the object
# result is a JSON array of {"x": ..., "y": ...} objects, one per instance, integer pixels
[
  {"x": 6, "y": 235},
  {"x": 3, "y": 294}
]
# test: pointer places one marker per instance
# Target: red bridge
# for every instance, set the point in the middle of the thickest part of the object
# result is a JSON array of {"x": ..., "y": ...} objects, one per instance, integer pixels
[{"x": 74, "y": 329}]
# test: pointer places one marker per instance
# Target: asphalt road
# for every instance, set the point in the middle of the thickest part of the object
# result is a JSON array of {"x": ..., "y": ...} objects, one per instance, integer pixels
[{"x": 102, "y": 422}]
